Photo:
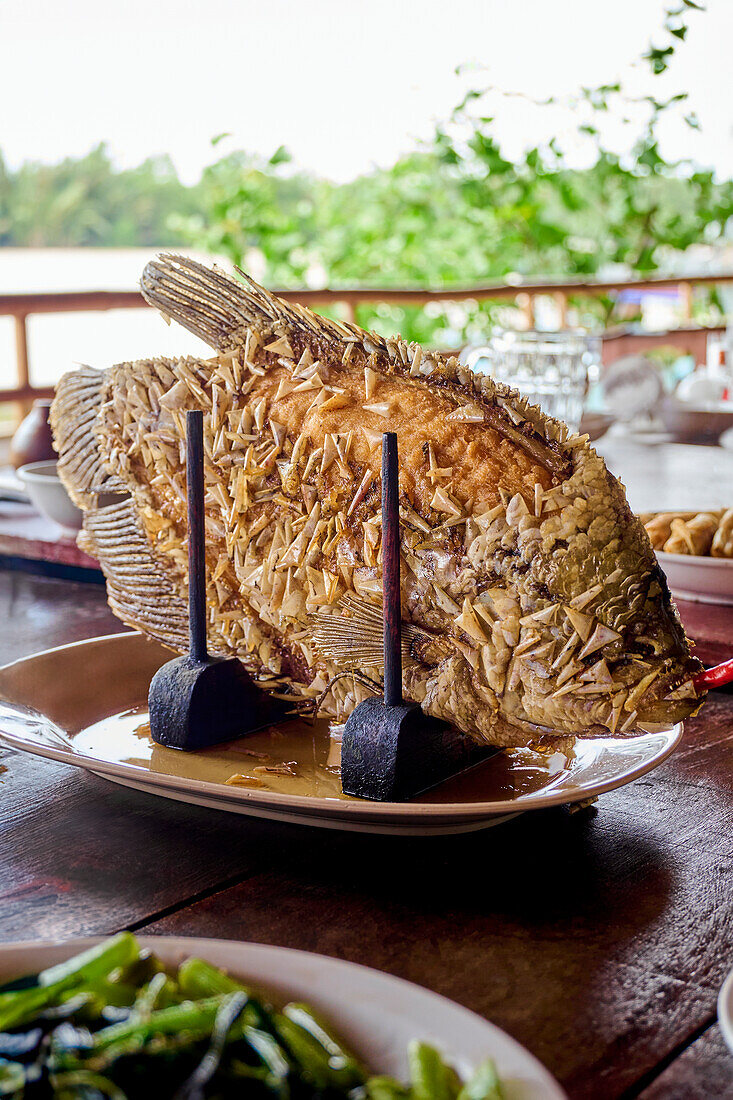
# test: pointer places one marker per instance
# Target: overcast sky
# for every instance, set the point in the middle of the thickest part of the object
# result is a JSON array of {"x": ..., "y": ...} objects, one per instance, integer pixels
[{"x": 344, "y": 84}]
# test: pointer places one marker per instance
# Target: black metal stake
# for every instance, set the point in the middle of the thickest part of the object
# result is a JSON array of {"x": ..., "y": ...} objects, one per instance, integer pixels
[
  {"x": 391, "y": 599},
  {"x": 390, "y": 749},
  {"x": 196, "y": 535},
  {"x": 197, "y": 701}
]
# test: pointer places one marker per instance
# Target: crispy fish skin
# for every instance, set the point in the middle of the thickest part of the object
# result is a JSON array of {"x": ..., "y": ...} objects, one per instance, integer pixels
[{"x": 543, "y": 611}]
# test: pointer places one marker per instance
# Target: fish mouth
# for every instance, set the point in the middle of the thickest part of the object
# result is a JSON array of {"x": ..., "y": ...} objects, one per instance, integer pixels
[
  {"x": 672, "y": 696},
  {"x": 635, "y": 700}
]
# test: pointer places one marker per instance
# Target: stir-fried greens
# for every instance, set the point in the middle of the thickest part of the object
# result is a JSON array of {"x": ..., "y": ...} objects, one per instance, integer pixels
[{"x": 113, "y": 1023}]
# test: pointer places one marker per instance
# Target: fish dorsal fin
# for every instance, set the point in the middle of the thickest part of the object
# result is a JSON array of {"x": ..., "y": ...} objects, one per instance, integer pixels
[
  {"x": 218, "y": 308},
  {"x": 222, "y": 311}
]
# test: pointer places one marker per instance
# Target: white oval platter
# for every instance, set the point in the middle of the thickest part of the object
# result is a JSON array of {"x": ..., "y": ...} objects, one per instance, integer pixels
[{"x": 49, "y": 702}]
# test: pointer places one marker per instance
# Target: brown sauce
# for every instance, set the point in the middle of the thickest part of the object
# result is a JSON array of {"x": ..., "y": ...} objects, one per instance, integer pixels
[{"x": 312, "y": 752}]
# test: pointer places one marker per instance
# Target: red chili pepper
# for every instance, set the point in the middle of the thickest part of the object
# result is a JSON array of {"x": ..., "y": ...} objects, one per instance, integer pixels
[{"x": 716, "y": 676}]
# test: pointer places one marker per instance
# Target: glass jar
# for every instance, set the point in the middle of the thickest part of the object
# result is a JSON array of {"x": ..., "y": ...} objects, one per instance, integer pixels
[{"x": 551, "y": 369}]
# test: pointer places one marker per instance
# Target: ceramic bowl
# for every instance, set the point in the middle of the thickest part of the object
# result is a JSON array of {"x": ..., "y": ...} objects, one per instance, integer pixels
[
  {"x": 595, "y": 424},
  {"x": 376, "y": 1014},
  {"x": 48, "y": 495},
  {"x": 693, "y": 425}
]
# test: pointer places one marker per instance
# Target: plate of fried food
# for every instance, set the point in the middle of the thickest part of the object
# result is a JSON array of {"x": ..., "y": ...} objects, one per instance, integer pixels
[
  {"x": 535, "y": 619},
  {"x": 695, "y": 550},
  {"x": 289, "y": 771}
]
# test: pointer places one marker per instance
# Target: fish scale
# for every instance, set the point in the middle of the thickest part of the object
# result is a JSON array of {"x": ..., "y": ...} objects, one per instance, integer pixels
[{"x": 532, "y": 590}]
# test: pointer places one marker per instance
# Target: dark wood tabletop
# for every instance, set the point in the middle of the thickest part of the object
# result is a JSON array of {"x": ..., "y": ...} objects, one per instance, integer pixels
[{"x": 598, "y": 939}]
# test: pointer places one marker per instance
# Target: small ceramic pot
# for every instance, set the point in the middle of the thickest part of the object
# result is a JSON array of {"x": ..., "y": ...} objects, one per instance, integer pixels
[{"x": 33, "y": 441}]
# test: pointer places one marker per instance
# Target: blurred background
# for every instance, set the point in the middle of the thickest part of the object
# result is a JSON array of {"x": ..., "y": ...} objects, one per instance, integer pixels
[{"x": 474, "y": 176}]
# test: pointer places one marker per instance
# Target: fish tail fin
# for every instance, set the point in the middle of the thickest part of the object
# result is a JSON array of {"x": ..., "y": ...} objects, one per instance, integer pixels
[{"x": 73, "y": 417}]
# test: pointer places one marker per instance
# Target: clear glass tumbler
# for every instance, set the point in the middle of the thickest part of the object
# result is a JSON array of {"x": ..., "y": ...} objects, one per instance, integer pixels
[{"x": 551, "y": 369}]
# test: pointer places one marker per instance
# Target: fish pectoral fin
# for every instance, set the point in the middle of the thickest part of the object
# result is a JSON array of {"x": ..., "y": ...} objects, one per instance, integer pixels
[{"x": 353, "y": 634}]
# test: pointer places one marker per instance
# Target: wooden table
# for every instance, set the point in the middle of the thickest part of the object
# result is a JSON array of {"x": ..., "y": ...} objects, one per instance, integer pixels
[
  {"x": 27, "y": 537},
  {"x": 598, "y": 939},
  {"x": 659, "y": 475}
]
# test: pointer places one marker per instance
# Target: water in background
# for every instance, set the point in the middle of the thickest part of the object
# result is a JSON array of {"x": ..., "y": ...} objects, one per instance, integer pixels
[{"x": 57, "y": 342}]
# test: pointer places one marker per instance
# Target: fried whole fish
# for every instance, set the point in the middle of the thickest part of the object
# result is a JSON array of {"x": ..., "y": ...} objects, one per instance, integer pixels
[{"x": 535, "y": 604}]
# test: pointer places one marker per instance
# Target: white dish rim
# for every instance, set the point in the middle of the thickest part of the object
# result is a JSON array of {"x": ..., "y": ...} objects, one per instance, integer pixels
[
  {"x": 31, "y": 471},
  {"x": 693, "y": 559},
  {"x": 725, "y": 1011},
  {"x": 331, "y": 808}
]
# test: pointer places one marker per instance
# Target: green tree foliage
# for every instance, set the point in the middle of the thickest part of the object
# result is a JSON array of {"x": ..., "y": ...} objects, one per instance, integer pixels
[
  {"x": 87, "y": 201},
  {"x": 458, "y": 211},
  {"x": 249, "y": 203},
  {"x": 455, "y": 212}
]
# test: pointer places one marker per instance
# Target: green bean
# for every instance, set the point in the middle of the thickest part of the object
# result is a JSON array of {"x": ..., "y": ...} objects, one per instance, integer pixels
[
  {"x": 117, "y": 994},
  {"x": 431, "y": 1078},
  {"x": 89, "y": 966},
  {"x": 313, "y": 1060},
  {"x": 151, "y": 995},
  {"x": 230, "y": 1010},
  {"x": 384, "y": 1088},
  {"x": 196, "y": 1016},
  {"x": 339, "y": 1059},
  {"x": 199, "y": 979},
  {"x": 271, "y": 1054},
  {"x": 238, "y": 1068},
  {"x": 12, "y": 1078},
  {"x": 136, "y": 1046},
  {"x": 189, "y": 1021},
  {"x": 96, "y": 962},
  {"x": 139, "y": 970},
  {"x": 66, "y": 1085},
  {"x": 484, "y": 1085}
]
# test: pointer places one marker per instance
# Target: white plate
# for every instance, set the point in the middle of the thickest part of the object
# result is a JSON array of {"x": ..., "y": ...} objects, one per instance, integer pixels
[
  {"x": 376, "y": 1015},
  {"x": 725, "y": 1011},
  {"x": 343, "y": 824},
  {"x": 80, "y": 704},
  {"x": 701, "y": 579}
]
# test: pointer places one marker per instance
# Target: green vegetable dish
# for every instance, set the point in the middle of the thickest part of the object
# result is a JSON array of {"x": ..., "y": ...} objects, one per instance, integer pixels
[{"x": 113, "y": 1023}]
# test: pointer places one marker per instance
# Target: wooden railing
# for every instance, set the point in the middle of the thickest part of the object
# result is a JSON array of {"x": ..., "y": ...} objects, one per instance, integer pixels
[{"x": 22, "y": 306}]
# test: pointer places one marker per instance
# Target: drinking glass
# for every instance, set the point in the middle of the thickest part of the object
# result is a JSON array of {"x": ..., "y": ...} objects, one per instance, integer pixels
[{"x": 550, "y": 369}]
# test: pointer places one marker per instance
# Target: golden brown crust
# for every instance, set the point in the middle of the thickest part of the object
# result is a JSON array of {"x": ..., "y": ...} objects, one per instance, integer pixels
[
  {"x": 696, "y": 533},
  {"x": 539, "y": 591},
  {"x": 722, "y": 546}
]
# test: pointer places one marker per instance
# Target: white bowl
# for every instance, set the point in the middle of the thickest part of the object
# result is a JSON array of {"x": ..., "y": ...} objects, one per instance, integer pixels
[
  {"x": 725, "y": 1011},
  {"x": 48, "y": 495},
  {"x": 376, "y": 1014},
  {"x": 698, "y": 578}
]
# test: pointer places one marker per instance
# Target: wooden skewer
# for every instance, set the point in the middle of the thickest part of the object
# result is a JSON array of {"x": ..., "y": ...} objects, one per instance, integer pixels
[{"x": 390, "y": 750}]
